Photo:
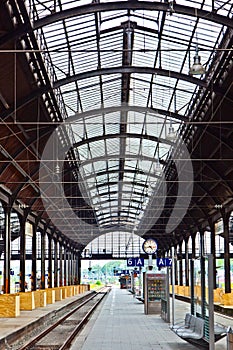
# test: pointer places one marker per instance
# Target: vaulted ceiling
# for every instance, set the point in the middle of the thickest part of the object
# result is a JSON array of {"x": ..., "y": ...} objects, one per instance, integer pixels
[{"x": 103, "y": 128}]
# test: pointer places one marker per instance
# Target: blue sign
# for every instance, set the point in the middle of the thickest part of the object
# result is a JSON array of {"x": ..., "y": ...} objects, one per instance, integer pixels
[
  {"x": 164, "y": 262},
  {"x": 132, "y": 262}
]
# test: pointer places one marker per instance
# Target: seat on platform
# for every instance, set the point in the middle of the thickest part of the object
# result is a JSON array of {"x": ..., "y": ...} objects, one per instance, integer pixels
[{"x": 193, "y": 330}]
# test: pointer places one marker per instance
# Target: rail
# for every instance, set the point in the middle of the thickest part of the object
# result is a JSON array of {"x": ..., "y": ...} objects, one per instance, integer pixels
[{"x": 73, "y": 327}]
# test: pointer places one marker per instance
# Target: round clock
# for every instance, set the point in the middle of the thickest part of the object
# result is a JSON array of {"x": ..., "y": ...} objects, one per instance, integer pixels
[{"x": 149, "y": 246}]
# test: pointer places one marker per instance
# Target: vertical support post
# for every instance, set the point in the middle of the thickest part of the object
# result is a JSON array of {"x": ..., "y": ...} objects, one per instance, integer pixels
[
  {"x": 186, "y": 263},
  {"x": 22, "y": 255},
  {"x": 34, "y": 258},
  {"x": 202, "y": 264},
  {"x": 192, "y": 282},
  {"x": 211, "y": 302},
  {"x": 192, "y": 296},
  {"x": 213, "y": 252},
  {"x": 7, "y": 251},
  {"x": 150, "y": 262},
  {"x": 168, "y": 316},
  {"x": 173, "y": 286},
  {"x": 42, "y": 283},
  {"x": 61, "y": 274},
  {"x": 55, "y": 262},
  {"x": 180, "y": 265},
  {"x": 65, "y": 266},
  {"x": 74, "y": 267},
  {"x": 49, "y": 261},
  {"x": 226, "y": 217},
  {"x": 78, "y": 262},
  {"x": 69, "y": 265},
  {"x": 175, "y": 266}
]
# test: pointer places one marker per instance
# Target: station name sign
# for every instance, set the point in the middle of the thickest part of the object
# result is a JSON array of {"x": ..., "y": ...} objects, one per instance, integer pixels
[
  {"x": 164, "y": 262},
  {"x": 138, "y": 262}
]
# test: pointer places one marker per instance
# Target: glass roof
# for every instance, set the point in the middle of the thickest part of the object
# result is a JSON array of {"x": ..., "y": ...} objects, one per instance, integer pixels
[
  {"x": 131, "y": 69},
  {"x": 119, "y": 244}
]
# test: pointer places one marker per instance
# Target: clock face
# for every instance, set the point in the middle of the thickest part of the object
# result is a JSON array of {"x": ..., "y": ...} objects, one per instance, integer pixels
[{"x": 149, "y": 246}]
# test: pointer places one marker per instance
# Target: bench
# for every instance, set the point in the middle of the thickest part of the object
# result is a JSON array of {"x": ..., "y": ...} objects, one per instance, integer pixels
[{"x": 193, "y": 330}]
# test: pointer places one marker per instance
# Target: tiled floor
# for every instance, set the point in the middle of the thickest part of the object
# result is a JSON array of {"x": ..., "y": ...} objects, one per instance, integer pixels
[{"x": 122, "y": 325}]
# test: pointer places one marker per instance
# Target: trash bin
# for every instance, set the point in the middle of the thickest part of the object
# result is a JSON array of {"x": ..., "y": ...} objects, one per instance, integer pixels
[{"x": 229, "y": 338}]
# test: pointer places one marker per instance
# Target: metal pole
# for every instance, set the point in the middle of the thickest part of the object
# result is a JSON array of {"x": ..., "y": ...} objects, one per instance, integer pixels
[
  {"x": 173, "y": 287},
  {"x": 150, "y": 262},
  {"x": 55, "y": 262},
  {"x": 7, "y": 251},
  {"x": 168, "y": 296},
  {"x": 192, "y": 296},
  {"x": 211, "y": 302},
  {"x": 22, "y": 255},
  {"x": 42, "y": 260},
  {"x": 60, "y": 265},
  {"x": 34, "y": 257}
]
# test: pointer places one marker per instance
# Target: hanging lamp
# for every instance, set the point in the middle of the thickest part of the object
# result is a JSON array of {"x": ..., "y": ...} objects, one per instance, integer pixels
[{"x": 197, "y": 67}]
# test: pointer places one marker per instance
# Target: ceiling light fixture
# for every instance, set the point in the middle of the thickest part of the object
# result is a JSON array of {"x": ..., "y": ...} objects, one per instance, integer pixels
[
  {"x": 171, "y": 135},
  {"x": 197, "y": 67},
  {"x": 157, "y": 166}
]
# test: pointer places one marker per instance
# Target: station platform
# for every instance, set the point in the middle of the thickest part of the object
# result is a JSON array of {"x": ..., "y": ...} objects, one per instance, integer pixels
[
  {"x": 121, "y": 324},
  {"x": 11, "y": 329}
]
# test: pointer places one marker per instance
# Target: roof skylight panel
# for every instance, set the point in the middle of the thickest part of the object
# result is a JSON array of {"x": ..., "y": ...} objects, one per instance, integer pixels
[
  {"x": 154, "y": 124},
  {"x": 113, "y": 164},
  {"x": 138, "y": 178},
  {"x": 111, "y": 90},
  {"x": 140, "y": 84},
  {"x": 132, "y": 146},
  {"x": 78, "y": 24},
  {"x": 135, "y": 122},
  {"x": 224, "y": 8},
  {"x": 141, "y": 61},
  {"x": 113, "y": 146},
  {"x": 179, "y": 23},
  {"x": 143, "y": 58},
  {"x": 112, "y": 121},
  {"x": 127, "y": 187},
  {"x": 113, "y": 176},
  {"x": 114, "y": 187},
  {"x": 101, "y": 175},
  {"x": 55, "y": 39},
  {"x": 91, "y": 103},
  {"x": 112, "y": 99},
  {"x": 111, "y": 58},
  {"x": 139, "y": 99},
  {"x": 85, "y": 62},
  {"x": 99, "y": 165},
  {"x": 112, "y": 129},
  {"x": 148, "y": 148},
  {"x": 91, "y": 99},
  {"x": 130, "y": 177},
  {"x": 92, "y": 81},
  {"x": 93, "y": 130},
  {"x": 97, "y": 148},
  {"x": 162, "y": 99},
  {"x": 130, "y": 164},
  {"x": 70, "y": 105},
  {"x": 110, "y": 19}
]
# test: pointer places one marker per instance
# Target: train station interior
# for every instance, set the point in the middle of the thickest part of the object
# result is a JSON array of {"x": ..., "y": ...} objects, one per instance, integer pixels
[{"x": 116, "y": 144}]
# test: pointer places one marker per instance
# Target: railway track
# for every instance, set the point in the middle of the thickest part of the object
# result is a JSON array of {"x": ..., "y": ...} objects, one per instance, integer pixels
[{"x": 60, "y": 334}]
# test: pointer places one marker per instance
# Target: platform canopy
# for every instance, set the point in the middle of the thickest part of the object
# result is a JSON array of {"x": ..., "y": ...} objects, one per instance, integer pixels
[{"x": 106, "y": 123}]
